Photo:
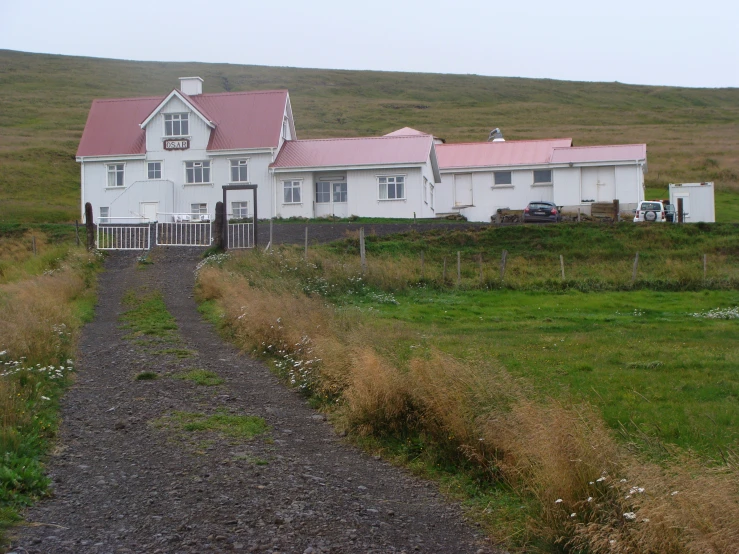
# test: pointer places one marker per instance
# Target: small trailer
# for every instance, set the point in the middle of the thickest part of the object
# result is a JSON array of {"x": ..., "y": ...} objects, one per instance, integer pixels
[{"x": 697, "y": 201}]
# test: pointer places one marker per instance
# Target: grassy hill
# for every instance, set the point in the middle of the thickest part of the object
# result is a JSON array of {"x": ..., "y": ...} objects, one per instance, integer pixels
[{"x": 692, "y": 134}]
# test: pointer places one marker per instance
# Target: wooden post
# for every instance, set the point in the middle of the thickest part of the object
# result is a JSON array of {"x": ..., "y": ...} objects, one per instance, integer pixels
[
  {"x": 459, "y": 267},
  {"x": 482, "y": 278},
  {"x": 220, "y": 231},
  {"x": 705, "y": 266},
  {"x": 578, "y": 214},
  {"x": 616, "y": 210},
  {"x": 636, "y": 265},
  {"x": 306, "y": 243},
  {"x": 680, "y": 214},
  {"x": 443, "y": 272},
  {"x": 423, "y": 268},
  {"x": 33, "y": 242},
  {"x": 77, "y": 230},
  {"x": 362, "y": 252},
  {"x": 562, "y": 266},
  {"x": 503, "y": 259},
  {"x": 90, "y": 226},
  {"x": 271, "y": 224}
]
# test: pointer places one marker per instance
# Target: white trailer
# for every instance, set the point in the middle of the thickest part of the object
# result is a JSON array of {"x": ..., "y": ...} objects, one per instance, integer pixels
[{"x": 698, "y": 203}]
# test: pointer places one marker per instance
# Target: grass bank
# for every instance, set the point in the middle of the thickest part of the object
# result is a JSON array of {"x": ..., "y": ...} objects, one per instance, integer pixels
[
  {"x": 407, "y": 367},
  {"x": 44, "y": 298}
]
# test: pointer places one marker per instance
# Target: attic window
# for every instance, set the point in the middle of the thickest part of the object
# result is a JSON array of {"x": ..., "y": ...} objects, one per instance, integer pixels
[{"x": 176, "y": 125}]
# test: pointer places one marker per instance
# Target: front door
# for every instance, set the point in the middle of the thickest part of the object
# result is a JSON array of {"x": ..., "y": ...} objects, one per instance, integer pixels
[
  {"x": 598, "y": 184},
  {"x": 331, "y": 199},
  {"x": 149, "y": 211}
]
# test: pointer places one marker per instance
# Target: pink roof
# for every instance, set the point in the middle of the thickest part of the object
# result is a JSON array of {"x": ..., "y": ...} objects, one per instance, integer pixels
[
  {"x": 354, "y": 151},
  {"x": 242, "y": 120},
  {"x": 608, "y": 153},
  {"x": 405, "y": 131},
  {"x": 484, "y": 154}
]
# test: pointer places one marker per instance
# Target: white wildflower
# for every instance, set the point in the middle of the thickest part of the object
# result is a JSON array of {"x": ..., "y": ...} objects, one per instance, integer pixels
[
  {"x": 558, "y": 501},
  {"x": 45, "y": 398},
  {"x": 630, "y": 516}
]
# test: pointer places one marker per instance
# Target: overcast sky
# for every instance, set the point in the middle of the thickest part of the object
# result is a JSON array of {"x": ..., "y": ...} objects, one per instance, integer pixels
[{"x": 660, "y": 42}]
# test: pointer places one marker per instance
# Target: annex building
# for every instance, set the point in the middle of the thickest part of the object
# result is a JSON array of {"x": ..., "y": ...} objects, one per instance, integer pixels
[{"x": 166, "y": 158}]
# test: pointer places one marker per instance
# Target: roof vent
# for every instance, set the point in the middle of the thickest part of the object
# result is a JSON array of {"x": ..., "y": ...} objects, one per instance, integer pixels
[
  {"x": 192, "y": 86},
  {"x": 496, "y": 136}
]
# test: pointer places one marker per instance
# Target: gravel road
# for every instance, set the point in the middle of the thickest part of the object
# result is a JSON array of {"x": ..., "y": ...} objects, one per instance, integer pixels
[{"x": 125, "y": 479}]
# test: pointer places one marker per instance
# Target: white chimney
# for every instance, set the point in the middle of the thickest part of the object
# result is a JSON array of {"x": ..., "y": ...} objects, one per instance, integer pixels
[{"x": 191, "y": 86}]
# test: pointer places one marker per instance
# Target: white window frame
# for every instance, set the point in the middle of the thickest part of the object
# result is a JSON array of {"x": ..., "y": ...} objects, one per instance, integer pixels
[
  {"x": 203, "y": 165},
  {"x": 495, "y": 178},
  {"x": 108, "y": 173},
  {"x": 199, "y": 208},
  {"x": 326, "y": 192},
  {"x": 104, "y": 214},
  {"x": 345, "y": 192},
  {"x": 236, "y": 211},
  {"x": 387, "y": 182},
  {"x": 161, "y": 170},
  {"x": 431, "y": 196},
  {"x": 286, "y": 128},
  {"x": 238, "y": 163},
  {"x": 425, "y": 190},
  {"x": 549, "y": 182},
  {"x": 293, "y": 184},
  {"x": 180, "y": 117}
]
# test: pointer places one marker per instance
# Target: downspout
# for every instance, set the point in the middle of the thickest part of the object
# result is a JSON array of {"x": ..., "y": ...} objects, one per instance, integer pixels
[
  {"x": 274, "y": 186},
  {"x": 82, "y": 187}
]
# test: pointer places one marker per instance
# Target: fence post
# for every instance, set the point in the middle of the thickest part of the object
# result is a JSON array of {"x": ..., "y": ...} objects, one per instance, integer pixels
[
  {"x": 459, "y": 267},
  {"x": 306, "y": 243},
  {"x": 362, "y": 253},
  {"x": 616, "y": 210},
  {"x": 220, "y": 231},
  {"x": 90, "y": 225},
  {"x": 33, "y": 242},
  {"x": 77, "y": 230},
  {"x": 271, "y": 222},
  {"x": 578, "y": 214},
  {"x": 482, "y": 278},
  {"x": 443, "y": 273},
  {"x": 423, "y": 274},
  {"x": 503, "y": 260},
  {"x": 562, "y": 266},
  {"x": 705, "y": 266},
  {"x": 636, "y": 265}
]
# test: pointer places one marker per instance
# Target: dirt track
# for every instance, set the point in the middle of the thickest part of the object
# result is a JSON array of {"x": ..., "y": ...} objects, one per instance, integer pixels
[{"x": 122, "y": 483}]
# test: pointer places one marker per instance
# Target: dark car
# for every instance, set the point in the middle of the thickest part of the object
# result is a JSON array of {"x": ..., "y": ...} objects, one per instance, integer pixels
[{"x": 541, "y": 211}]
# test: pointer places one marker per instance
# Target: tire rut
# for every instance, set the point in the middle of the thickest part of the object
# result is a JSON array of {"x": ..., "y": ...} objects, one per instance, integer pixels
[{"x": 126, "y": 478}]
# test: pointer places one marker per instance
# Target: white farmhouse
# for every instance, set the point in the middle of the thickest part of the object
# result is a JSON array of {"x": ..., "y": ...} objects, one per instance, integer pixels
[{"x": 167, "y": 158}]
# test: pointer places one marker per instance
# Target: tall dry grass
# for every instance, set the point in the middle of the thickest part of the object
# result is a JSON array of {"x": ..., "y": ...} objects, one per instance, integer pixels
[{"x": 594, "y": 495}]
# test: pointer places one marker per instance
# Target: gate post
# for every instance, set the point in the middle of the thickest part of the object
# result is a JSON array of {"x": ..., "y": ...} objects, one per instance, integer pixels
[
  {"x": 219, "y": 238},
  {"x": 90, "y": 225}
]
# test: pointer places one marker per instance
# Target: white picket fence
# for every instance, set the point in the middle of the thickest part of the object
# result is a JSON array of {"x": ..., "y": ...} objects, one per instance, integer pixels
[
  {"x": 240, "y": 235},
  {"x": 112, "y": 236}
]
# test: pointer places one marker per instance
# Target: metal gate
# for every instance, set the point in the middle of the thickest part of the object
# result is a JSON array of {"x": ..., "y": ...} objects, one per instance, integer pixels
[
  {"x": 184, "y": 233},
  {"x": 240, "y": 235},
  {"x": 115, "y": 236}
]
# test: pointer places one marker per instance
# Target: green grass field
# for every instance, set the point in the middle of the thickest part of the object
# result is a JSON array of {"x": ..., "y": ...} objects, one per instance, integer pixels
[
  {"x": 657, "y": 372},
  {"x": 692, "y": 134}
]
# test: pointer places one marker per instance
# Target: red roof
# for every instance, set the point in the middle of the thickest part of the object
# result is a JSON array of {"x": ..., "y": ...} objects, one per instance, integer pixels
[
  {"x": 609, "y": 153},
  {"x": 484, "y": 154},
  {"x": 354, "y": 151},
  {"x": 242, "y": 120}
]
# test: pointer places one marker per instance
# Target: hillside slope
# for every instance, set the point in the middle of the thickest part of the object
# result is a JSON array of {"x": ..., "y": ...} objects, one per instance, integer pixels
[{"x": 692, "y": 134}]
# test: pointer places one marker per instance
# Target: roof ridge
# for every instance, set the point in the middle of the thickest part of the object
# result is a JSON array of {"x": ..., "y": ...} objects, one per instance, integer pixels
[
  {"x": 241, "y": 92},
  {"x": 130, "y": 99},
  {"x": 602, "y": 145},
  {"x": 508, "y": 142},
  {"x": 361, "y": 138}
]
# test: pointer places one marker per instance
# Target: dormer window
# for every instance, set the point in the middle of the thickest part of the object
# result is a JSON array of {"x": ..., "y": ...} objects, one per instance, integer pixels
[{"x": 176, "y": 125}]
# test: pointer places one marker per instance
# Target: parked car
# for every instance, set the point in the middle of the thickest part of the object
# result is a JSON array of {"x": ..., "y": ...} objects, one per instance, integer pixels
[
  {"x": 651, "y": 211},
  {"x": 541, "y": 211}
]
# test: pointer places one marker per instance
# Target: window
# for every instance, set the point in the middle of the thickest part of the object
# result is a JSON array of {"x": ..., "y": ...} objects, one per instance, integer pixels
[
  {"x": 239, "y": 210},
  {"x": 154, "y": 170},
  {"x": 197, "y": 172},
  {"x": 285, "y": 129},
  {"x": 323, "y": 192},
  {"x": 176, "y": 125},
  {"x": 104, "y": 214},
  {"x": 339, "y": 192},
  {"x": 425, "y": 190},
  {"x": 392, "y": 188},
  {"x": 502, "y": 178},
  {"x": 199, "y": 209},
  {"x": 238, "y": 171},
  {"x": 543, "y": 177},
  {"x": 431, "y": 196},
  {"x": 115, "y": 175},
  {"x": 292, "y": 191}
]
